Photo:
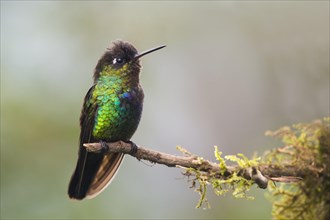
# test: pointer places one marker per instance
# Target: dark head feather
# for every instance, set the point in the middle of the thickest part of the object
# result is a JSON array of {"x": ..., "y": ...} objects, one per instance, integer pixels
[{"x": 122, "y": 50}]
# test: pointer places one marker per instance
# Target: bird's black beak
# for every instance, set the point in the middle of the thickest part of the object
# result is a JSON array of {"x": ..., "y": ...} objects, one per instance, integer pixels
[{"x": 148, "y": 51}]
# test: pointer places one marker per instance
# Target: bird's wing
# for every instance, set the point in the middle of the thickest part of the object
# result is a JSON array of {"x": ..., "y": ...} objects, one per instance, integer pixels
[{"x": 94, "y": 170}]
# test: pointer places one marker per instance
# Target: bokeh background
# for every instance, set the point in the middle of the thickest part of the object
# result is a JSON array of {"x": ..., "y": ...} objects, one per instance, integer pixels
[{"x": 230, "y": 71}]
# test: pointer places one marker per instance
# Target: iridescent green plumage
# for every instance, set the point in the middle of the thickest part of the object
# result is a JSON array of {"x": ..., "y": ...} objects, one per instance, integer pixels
[
  {"x": 119, "y": 104},
  {"x": 111, "y": 112}
]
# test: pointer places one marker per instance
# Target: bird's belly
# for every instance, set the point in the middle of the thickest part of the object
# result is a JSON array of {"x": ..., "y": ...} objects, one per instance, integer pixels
[{"x": 117, "y": 120}]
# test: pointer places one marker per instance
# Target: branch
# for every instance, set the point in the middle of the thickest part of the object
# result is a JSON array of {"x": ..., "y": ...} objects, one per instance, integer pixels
[
  {"x": 303, "y": 160},
  {"x": 260, "y": 175}
]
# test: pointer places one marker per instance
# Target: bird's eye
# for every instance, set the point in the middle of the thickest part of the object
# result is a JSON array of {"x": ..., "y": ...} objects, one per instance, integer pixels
[{"x": 118, "y": 60}]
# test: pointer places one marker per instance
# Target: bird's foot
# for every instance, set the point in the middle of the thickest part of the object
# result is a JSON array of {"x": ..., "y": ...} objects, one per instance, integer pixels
[{"x": 134, "y": 147}]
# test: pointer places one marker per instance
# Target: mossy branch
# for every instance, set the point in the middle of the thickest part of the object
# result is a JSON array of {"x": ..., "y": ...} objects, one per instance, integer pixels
[
  {"x": 303, "y": 161},
  {"x": 260, "y": 174}
]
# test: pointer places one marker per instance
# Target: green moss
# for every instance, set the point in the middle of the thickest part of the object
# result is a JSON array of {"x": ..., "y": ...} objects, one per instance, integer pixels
[
  {"x": 222, "y": 162},
  {"x": 307, "y": 148},
  {"x": 234, "y": 182},
  {"x": 243, "y": 161},
  {"x": 224, "y": 182}
]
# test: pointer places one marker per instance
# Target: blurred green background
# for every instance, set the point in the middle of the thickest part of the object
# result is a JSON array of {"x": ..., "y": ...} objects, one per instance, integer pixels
[{"x": 230, "y": 71}]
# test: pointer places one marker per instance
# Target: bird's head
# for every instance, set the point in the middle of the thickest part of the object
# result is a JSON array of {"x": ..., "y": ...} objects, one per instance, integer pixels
[{"x": 120, "y": 59}]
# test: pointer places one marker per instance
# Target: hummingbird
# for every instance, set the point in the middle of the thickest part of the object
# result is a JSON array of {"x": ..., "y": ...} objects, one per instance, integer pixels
[{"x": 111, "y": 112}]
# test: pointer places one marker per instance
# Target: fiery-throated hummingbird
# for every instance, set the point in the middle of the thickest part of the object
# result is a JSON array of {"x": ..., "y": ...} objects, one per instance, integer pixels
[{"x": 111, "y": 112}]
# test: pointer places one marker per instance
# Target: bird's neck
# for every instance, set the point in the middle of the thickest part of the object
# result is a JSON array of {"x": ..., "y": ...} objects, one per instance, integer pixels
[{"x": 118, "y": 78}]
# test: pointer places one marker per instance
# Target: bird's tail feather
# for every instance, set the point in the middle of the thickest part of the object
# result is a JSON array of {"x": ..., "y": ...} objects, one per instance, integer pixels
[{"x": 93, "y": 174}]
